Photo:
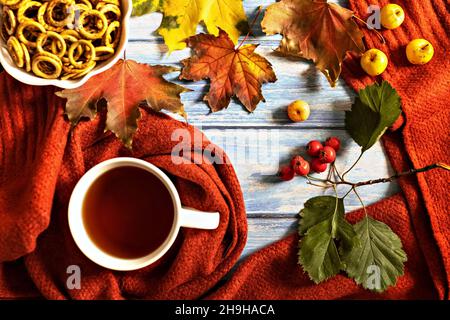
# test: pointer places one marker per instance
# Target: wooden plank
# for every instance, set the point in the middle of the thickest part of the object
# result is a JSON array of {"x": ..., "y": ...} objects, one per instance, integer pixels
[
  {"x": 257, "y": 153},
  {"x": 263, "y": 232},
  {"x": 296, "y": 80}
]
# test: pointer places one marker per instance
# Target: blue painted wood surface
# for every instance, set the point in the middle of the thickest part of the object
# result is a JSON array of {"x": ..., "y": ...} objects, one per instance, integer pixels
[{"x": 257, "y": 143}]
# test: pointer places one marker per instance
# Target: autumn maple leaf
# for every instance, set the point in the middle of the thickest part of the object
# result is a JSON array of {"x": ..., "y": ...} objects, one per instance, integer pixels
[
  {"x": 124, "y": 87},
  {"x": 181, "y": 18},
  {"x": 316, "y": 30},
  {"x": 232, "y": 71}
]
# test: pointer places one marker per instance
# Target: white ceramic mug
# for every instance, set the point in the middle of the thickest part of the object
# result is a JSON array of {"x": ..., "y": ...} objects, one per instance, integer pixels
[{"x": 183, "y": 217}]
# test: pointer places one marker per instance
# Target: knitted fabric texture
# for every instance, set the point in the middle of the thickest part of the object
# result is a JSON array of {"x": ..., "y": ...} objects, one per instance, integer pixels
[{"x": 41, "y": 160}]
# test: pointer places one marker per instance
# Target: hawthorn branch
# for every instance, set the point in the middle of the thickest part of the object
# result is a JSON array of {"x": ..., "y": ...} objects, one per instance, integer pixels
[
  {"x": 402, "y": 174},
  {"x": 330, "y": 183}
]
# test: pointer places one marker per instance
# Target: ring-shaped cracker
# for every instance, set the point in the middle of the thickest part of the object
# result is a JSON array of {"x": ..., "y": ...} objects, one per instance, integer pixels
[
  {"x": 23, "y": 9},
  {"x": 42, "y": 21},
  {"x": 28, "y": 24},
  {"x": 68, "y": 68},
  {"x": 103, "y": 26},
  {"x": 108, "y": 37},
  {"x": 59, "y": 48},
  {"x": 9, "y": 2},
  {"x": 84, "y": 3},
  {"x": 82, "y": 7},
  {"x": 106, "y": 8},
  {"x": 26, "y": 58},
  {"x": 15, "y": 50},
  {"x": 103, "y": 53},
  {"x": 69, "y": 10},
  {"x": 89, "y": 54},
  {"x": 69, "y": 39},
  {"x": 4, "y": 33},
  {"x": 45, "y": 58},
  {"x": 85, "y": 71},
  {"x": 81, "y": 73},
  {"x": 9, "y": 21},
  {"x": 71, "y": 32},
  {"x": 116, "y": 2},
  {"x": 17, "y": 5}
]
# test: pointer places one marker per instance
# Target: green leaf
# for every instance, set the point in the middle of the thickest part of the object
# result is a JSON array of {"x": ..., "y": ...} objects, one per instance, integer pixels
[
  {"x": 322, "y": 223},
  {"x": 379, "y": 260},
  {"x": 375, "y": 109},
  {"x": 141, "y": 7},
  {"x": 318, "y": 253}
]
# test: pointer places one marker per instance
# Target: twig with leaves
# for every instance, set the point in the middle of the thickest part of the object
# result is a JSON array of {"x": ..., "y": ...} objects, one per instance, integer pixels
[{"x": 328, "y": 243}]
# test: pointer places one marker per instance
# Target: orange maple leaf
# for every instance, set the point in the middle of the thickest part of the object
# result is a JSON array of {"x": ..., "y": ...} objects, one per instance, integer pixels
[
  {"x": 315, "y": 30},
  {"x": 232, "y": 71},
  {"x": 124, "y": 87}
]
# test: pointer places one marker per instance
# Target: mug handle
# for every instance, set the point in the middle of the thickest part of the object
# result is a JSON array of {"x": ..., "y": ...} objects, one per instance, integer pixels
[{"x": 196, "y": 219}]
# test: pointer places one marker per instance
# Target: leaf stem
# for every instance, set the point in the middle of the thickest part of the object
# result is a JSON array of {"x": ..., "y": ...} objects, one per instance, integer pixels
[
  {"x": 353, "y": 165},
  {"x": 315, "y": 184},
  {"x": 360, "y": 200},
  {"x": 348, "y": 192},
  {"x": 337, "y": 172},
  {"x": 330, "y": 172},
  {"x": 258, "y": 13},
  {"x": 317, "y": 179}
]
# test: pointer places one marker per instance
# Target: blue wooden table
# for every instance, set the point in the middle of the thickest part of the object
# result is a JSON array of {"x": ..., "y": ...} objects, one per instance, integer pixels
[{"x": 258, "y": 143}]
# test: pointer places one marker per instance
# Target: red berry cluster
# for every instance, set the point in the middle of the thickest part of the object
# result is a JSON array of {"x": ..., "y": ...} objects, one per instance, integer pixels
[{"x": 321, "y": 155}]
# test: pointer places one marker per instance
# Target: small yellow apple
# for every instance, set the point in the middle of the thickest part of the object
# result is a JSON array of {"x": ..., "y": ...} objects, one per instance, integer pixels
[
  {"x": 392, "y": 16},
  {"x": 419, "y": 51},
  {"x": 298, "y": 111},
  {"x": 374, "y": 62}
]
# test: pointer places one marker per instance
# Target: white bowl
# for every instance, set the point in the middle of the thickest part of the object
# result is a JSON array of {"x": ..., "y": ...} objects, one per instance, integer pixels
[{"x": 29, "y": 78}]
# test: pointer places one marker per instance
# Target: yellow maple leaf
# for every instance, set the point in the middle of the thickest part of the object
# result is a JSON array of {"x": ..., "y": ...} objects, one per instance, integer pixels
[{"x": 181, "y": 18}]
